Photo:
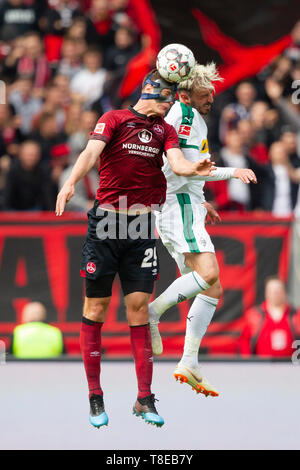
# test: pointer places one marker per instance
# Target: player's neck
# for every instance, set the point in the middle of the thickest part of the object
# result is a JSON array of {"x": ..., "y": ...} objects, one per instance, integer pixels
[{"x": 143, "y": 107}]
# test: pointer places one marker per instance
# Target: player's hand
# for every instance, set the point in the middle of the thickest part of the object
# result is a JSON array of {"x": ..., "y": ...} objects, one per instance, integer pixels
[
  {"x": 245, "y": 175},
  {"x": 212, "y": 215},
  {"x": 204, "y": 167},
  {"x": 64, "y": 196}
]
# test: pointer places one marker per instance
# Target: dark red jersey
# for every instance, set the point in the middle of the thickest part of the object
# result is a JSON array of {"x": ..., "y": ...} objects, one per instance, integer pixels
[
  {"x": 266, "y": 337},
  {"x": 130, "y": 164}
]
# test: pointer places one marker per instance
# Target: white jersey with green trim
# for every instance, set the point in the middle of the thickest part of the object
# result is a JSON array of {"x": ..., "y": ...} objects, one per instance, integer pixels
[{"x": 192, "y": 132}]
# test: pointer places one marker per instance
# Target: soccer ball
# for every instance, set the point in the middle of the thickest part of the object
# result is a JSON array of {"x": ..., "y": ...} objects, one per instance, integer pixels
[{"x": 175, "y": 62}]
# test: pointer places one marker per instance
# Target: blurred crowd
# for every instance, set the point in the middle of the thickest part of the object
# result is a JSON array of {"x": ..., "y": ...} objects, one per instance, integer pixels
[
  {"x": 257, "y": 125},
  {"x": 62, "y": 62}
]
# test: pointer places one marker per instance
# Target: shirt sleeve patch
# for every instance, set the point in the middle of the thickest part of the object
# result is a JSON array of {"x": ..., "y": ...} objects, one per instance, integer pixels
[{"x": 99, "y": 129}]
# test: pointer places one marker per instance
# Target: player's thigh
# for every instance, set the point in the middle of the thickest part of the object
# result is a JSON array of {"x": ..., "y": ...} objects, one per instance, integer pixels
[
  {"x": 97, "y": 297},
  {"x": 101, "y": 249},
  {"x": 204, "y": 264},
  {"x": 137, "y": 308},
  {"x": 139, "y": 257}
]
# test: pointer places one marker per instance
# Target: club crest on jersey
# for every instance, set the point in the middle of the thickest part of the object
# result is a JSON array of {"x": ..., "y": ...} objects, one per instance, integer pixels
[
  {"x": 145, "y": 136},
  {"x": 100, "y": 128},
  {"x": 158, "y": 129},
  {"x": 184, "y": 130},
  {"x": 91, "y": 267}
]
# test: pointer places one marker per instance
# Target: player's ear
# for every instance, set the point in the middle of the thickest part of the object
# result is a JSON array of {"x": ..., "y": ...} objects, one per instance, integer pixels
[{"x": 185, "y": 97}]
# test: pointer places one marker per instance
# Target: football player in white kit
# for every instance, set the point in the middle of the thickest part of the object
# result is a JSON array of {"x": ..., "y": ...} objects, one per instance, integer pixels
[{"x": 181, "y": 226}]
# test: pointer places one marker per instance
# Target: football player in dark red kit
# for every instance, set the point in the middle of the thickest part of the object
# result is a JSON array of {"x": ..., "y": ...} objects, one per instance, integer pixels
[{"x": 130, "y": 144}]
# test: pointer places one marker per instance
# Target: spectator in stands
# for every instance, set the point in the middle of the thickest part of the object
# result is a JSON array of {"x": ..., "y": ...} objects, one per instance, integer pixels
[
  {"x": 294, "y": 174},
  {"x": 289, "y": 139},
  {"x": 18, "y": 17},
  {"x": 10, "y": 134},
  {"x": 70, "y": 62},
  {"x": 28, "y": 185},
  {"x": 58, "y": 19},
  {"x": 34, "y": 338},
  {"x": 119, "y": 11},
  {"x": 48, "y": 136},
  {"x": 34, "y": 63},
  {"x": 100, "y": 27},
  {"x": 78, "y": 140},
  {"x": 25, "y": 104},
  {"x": 232, "y": 113},
  {"x": 73, "y": 118},
  {"x": 239, "y": 195},
  {"x": 124, "y": 48},
  {"x": 257, "y": 117},
  {"x": 11, "y": 52},
  {"x": 5, "y": 163},
  {"x": 78, "y": 29},
  {"x": 87, "y": 85},
  {"x": 289, "y": 110},
  {"x": 63, "y": 83},
  {"x": 54, "y": 104},
  {"x": 117, "y": 58},
  {"x": 279, "y": 193},
  {"x": 270, "y": 328}
]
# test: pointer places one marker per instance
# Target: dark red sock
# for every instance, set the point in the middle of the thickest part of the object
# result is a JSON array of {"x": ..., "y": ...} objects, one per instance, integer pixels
[
  {"x": 142, "y": 353},
  {"x": 90, "y": 343}
]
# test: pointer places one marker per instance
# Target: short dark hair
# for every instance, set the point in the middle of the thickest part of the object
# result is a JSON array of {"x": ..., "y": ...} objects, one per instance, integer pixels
[{"x": 93, "y": 49}]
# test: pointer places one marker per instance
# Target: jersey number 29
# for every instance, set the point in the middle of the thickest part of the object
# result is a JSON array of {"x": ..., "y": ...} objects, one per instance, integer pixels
[{"x": 150, "y": 258}]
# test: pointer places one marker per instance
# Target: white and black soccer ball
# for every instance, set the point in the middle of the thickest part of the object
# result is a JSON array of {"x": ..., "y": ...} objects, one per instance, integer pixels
[{"x": 175, "y": 62}]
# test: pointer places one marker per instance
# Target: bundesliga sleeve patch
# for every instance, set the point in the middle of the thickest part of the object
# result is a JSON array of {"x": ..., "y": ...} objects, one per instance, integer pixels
[
  {"x": 99, "y": 129},
  {"x": 184, "y": 130}
]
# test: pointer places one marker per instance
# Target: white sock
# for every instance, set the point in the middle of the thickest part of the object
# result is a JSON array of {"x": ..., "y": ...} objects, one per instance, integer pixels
[
  {"x": 184, "y": 287},
  {"x": 198, "y": 319}
]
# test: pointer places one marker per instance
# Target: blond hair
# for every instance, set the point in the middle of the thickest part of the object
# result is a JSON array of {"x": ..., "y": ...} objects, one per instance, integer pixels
[{"x": 202, "y": 76}]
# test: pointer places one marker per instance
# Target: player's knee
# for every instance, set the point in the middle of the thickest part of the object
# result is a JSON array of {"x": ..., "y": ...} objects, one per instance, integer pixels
[
  {"x": 218, "y": 290},
  {"x": 95, "y": 309},
  {"x": 138, "y": 313},
  {"x": 211, "y": 276}
]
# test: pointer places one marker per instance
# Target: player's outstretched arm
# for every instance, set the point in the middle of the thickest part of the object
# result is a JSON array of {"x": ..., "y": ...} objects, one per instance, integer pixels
[
  {"x": 183, "y": 167},
  {"x": 245, "y": 174},
  {"x": 84, "y": 163},
  {"x": 224, "y": 173}
]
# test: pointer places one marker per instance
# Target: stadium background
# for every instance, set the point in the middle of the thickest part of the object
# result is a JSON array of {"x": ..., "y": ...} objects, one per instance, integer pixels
[{"x": 39, "y": 255}]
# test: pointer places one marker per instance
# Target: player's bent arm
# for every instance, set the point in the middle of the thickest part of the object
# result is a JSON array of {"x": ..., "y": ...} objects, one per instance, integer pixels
[
  {"x": 86, "y": 160},
  {"x": 183, "y": 167},
  {"x": 83, "y": 165}
]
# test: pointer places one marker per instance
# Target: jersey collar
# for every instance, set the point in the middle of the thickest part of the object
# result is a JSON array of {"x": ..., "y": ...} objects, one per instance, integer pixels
[
  {"x": 143, "y": 116},
  {"x": 131, "y": 108}
]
